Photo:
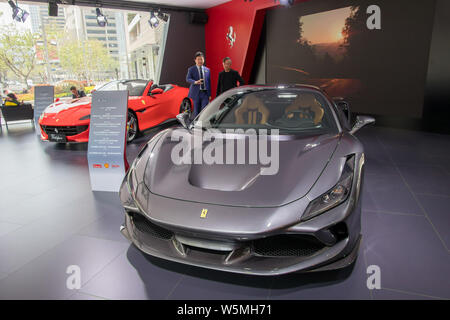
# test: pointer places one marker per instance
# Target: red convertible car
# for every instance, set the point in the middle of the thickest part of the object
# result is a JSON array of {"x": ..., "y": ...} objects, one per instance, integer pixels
[{"x": 149, "y": 105}]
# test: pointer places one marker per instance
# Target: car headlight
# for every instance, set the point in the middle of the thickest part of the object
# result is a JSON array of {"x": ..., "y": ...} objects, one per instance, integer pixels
[
  {"x": 85, "y": 117},
  {"x": 336, "y": 195}
]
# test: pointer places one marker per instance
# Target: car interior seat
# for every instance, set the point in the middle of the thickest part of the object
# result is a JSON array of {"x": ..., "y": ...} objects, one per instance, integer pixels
[
  {"x": 251, "y": 111},
  {"x": 305, "y": 102}
]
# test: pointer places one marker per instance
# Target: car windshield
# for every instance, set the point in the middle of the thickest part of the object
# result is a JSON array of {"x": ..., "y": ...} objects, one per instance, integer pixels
[
  {"x": 291, "y": 110},
  {"x": 134, "y": 87}
]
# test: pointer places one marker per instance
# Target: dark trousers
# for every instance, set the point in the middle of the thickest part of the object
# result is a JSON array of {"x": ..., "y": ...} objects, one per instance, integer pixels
[{"x": 200, "y": 102}]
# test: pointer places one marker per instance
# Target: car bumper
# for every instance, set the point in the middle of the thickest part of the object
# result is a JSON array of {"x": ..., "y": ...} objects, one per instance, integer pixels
[
  {"x": 80, "y": 135},
  {"x": 243, "y": 260},
  {"x": 326, "y": 242}
]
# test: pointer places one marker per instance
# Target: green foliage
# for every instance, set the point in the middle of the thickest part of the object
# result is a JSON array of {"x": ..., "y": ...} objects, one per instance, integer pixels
[
  {"x": 83, "y": 58},
  {"x": 17, "y": 51}
]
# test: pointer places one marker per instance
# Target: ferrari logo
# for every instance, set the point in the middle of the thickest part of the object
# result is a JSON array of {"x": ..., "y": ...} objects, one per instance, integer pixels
[
  {"x": 231, "y": 36},
  {"x": 204, "y": 213}
]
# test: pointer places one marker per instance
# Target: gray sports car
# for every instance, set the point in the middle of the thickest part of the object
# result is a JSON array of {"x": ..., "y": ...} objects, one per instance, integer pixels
[{"x": 244, "y": 209}]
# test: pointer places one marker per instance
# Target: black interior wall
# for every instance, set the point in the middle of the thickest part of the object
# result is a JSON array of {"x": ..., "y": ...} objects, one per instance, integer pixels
[
  {"x": 258, "y": 75},
  {"x": 436, "y": 106},
  {"x": 436, "y": 111},
  {"x": 183, "y": 40}
]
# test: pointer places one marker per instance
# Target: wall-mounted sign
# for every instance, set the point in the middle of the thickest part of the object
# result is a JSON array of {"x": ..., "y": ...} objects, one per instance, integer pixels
[
  {"x": 43, "y": 97},
  {"x": 231, "y": 36},
  {"x": 107, "y": 140}
]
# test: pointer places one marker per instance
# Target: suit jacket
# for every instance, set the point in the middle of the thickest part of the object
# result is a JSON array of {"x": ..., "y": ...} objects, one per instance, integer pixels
[{"x": 193, "y": 75}]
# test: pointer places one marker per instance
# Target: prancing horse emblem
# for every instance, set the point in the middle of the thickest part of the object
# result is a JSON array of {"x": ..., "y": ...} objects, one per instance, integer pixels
[
  {"x": 231, "y": 36},
  {"x": 204, "y": 213}
]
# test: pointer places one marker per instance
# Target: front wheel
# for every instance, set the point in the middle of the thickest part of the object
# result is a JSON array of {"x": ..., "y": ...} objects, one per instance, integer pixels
[
  {"x": 185, "y": 106},
  {"x": 132, "y": 126}
]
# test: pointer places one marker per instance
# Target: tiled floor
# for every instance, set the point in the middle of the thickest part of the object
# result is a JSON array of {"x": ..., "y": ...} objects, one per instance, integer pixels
[{"x": 50, "y": 219}]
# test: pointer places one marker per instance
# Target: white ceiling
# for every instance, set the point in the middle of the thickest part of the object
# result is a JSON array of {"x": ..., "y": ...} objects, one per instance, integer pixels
[{"x": 198, "y": 4}]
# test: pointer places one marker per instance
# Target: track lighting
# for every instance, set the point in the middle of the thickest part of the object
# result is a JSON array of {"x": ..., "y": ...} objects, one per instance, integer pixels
[
  {"x": 18, "y": 14},
  {"x": 153, "y": 21},
  {"x": 163, "y": 16},
  {"x": 101, "y": 18}
]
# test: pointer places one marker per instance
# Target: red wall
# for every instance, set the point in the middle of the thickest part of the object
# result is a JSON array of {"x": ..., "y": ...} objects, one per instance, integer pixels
[{"x": 247, "y": 19}]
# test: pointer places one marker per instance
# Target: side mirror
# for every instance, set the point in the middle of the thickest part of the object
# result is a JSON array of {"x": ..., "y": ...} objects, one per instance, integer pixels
[
  {"x": 344, "y": 107},
  {"x": 183, "y": 118},
  {"x": 360, "y": 122},
  {"x": 156, "y": 91}
]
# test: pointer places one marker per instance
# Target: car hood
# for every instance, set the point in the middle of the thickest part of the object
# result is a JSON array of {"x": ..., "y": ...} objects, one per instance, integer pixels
[
  {"x": 301, "y": 162},
  {"x": 68, "y": 110}
]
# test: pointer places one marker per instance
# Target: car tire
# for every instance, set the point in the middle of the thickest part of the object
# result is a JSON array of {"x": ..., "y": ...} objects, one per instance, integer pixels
[
  {"x": 186, "y": 106},
  {"x": 132, "y": 126}
]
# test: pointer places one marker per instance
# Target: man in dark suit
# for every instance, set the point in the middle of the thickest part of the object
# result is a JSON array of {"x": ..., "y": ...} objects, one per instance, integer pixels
[
  {"x": 228, "y": 78},
  {"x": 199, "y": 78}
]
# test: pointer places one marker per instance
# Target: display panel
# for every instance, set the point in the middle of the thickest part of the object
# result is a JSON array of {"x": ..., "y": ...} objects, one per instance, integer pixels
[{"x": 380, "y": 71}]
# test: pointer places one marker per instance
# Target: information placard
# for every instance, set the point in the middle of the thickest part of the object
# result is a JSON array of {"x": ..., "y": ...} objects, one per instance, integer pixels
[
  {"x": 43, "y": 97},
  {"x": 107, "y": 141}
]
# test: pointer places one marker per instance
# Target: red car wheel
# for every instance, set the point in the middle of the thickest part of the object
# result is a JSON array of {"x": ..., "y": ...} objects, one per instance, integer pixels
[
  {"x": 185, "y": 106},
  {"x": 132, "y": 126}
]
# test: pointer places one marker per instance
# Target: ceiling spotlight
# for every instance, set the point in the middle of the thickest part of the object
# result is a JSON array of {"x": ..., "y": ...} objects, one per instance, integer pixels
[
  {"x": 163, "y": 16},
  {"x": 101, "y": 18},
  {"x": 153, "y": 21},
  {"x": 19, "y": 14}
]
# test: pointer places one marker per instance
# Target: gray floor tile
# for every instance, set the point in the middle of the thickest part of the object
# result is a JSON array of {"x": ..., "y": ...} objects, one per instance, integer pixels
[
  {"x": 6, "y": 227},
  {"x": 426, "y": 179},
  {"x": 344, "y": 284},
  {"x": 45, "y": 276},
  {"x": 388, "y": 193},
  {"x": 133, "y": 276},
  {"x": 438, "y": 210},
  {"x": 388, "y": 294},
  {"x": 106, "y": 227},
  {"x": 83, "y": 296},
  {"x": 200, "y": 283},
  {"x": 26, "y": 243},
  {"x": 409, "y": 253}
]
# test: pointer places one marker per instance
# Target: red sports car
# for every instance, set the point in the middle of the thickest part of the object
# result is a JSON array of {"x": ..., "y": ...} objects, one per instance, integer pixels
[{"x": 149, "y": 105}]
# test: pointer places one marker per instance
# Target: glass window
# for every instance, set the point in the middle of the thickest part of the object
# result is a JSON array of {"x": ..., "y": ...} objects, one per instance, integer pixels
[
  {"x": 134, "y": 87},
  {"x": 291, "y": 110},
  {"x": 80, "y": 52}
]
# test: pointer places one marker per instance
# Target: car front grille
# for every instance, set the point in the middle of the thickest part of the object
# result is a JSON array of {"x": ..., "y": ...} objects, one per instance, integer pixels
[
  {"x": 286, "y": 246},
  {"x": 145, "y": 226},
  {"x": 66, "y": 130}
]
